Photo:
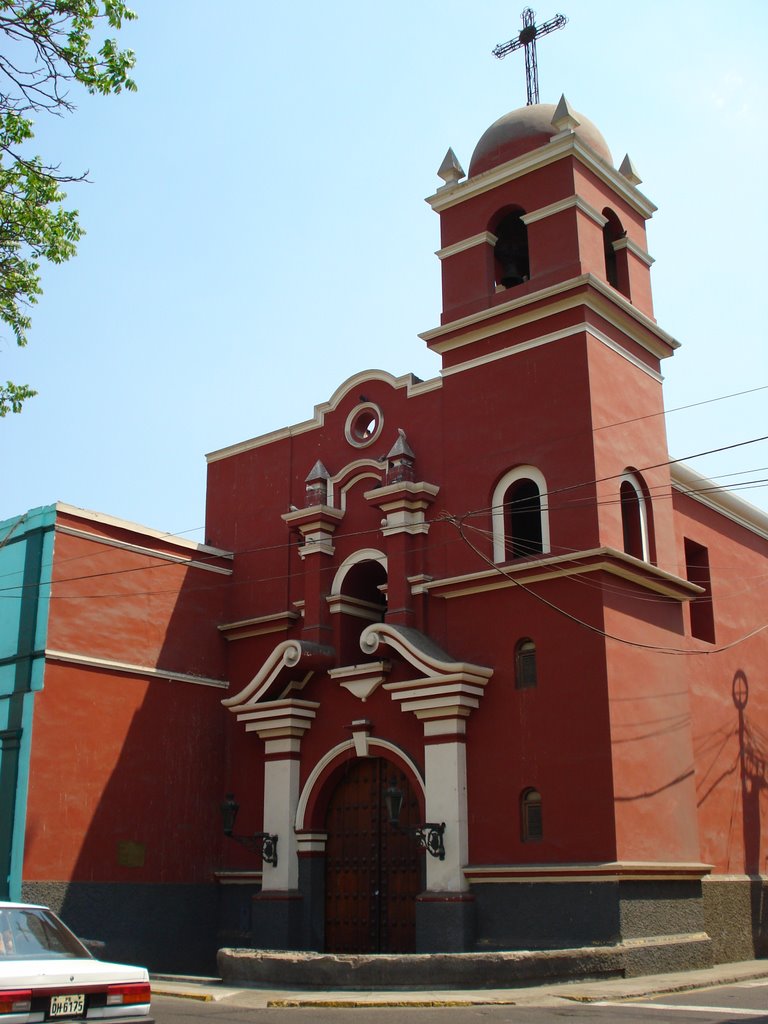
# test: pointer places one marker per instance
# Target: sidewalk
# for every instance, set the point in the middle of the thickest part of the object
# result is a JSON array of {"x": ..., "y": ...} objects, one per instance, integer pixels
[{"x": 210, "y": 989}]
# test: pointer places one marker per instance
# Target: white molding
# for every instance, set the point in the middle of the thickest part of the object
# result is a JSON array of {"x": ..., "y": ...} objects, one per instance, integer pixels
[
  {"x": 616, "y": 871},
  {"x": 238, "y": 877},
  {"x": 630, "y": 246},
  {"x": 351, "y": 474},
  {"x": 515, "y": 315},
  {"x": 138, "y": 549},
  {"x": 547, "y": 339},
  {"x": 485, "y": 237},
  {"x": 603, "y": 559},
  {"x": 555, "y": 149},
  {"x": 634, "y": 482},
  {"x": 700, "y": 488},
  {"x": 147, "y": 531},
  {"x": 361, "y": 555},
  {"x": 561, "y": 206},
  {"x": 355, "y": 413},
  {"x": 412, "y": 385},
  {"x": 69, "y": 658},
  {"x": 330, "y": 756}
]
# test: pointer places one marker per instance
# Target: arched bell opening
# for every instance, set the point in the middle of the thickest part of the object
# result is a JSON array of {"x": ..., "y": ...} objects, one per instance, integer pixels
[
  {"x": 359, "y": 598},
  {"x": 511, "y": 260},
  {"x": 615, "y": 252}
]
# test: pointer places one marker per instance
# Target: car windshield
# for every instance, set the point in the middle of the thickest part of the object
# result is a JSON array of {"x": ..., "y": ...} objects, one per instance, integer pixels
[{"x": 32, "y": 933}]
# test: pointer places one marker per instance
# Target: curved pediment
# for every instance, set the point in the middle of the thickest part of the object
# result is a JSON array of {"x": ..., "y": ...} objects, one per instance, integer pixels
[
  {"x": 289, "y": 667},
  {"x": 420, "y": 651}
]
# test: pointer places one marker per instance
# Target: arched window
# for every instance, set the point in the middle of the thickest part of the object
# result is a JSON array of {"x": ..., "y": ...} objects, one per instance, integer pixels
[
  {"x": 511, "y": 250},
  {"x": 519, "y": 515},
  {"x": 616, "y": 269},
  {"x": 531, "y": 821},
  {"x": 525, "y": 664},
  {"x": 634, "y": 517}
]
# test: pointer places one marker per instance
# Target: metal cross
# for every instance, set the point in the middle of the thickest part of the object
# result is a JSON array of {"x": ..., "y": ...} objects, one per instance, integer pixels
[{"x": 526, "y": 38}]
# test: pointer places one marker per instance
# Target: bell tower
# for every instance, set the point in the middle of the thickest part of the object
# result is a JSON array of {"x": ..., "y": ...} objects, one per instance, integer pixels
[
  {"x": 542, "y": 205},
  {"x": 543, "y": 244}
]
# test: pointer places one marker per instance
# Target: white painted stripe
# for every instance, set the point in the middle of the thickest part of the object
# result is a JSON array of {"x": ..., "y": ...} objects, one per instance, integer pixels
[
  {"x": 139, "y": 549},
  {"x": 70, "y": 658},
  {"x": 682, "y": 1007}
]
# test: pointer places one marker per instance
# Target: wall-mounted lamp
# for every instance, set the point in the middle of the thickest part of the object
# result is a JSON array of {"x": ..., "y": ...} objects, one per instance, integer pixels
[
  {"x": 429, "y": 835},
  {"x": 261, "y": 842}
]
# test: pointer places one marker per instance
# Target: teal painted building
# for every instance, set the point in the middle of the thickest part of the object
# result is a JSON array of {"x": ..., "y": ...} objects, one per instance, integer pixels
[{"x": 26, "y": 557}]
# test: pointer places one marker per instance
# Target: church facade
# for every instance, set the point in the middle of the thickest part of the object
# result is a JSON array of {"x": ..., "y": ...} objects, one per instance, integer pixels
[{"x": 468, "y": 664}]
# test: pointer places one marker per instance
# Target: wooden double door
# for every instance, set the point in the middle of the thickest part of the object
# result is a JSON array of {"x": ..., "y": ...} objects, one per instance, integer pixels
[{"x": 374, "y": 871}]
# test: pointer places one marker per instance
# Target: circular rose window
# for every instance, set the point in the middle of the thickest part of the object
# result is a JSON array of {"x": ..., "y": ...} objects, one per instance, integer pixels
[{"x": 364, "y": 424}]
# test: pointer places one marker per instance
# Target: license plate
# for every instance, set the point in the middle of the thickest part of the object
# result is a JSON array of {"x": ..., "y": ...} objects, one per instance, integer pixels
[{"x": 67, "y": 1005}]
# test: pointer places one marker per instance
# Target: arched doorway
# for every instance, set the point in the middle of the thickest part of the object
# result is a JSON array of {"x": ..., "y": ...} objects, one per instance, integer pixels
[{"x": 373, "y": 871}]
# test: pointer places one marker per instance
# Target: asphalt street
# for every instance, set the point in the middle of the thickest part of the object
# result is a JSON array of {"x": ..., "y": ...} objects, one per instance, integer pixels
[{"x": 720, "y": 1004}]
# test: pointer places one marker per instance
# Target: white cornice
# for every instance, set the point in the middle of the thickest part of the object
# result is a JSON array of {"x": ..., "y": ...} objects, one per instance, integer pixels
[
  {"x": 126, "y": 668},
  {"x": 600, "y": 297},
  {"x": 561, "y": 207},
  {"x": 412, "y": 384},
  {"x": 139, "y": 549},
  {"x": 125, "y": 524},
  {"x": 687, "y": 481},
  {"x": 555, "y": 149},
  {"x": 591, "y": 872},
  {"x": 484, "y": 238},
  {"x": 547, "y": 339},
  {"x": 603, "y": 559},
  {"x": 634, "y": 248}
]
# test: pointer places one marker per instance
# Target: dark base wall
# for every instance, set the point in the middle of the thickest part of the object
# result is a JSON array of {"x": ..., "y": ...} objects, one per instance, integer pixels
[
  {"x": 167, "y": 928},
  {"x": 551, "y": 915},
  {"x": 736, "y": 917}
]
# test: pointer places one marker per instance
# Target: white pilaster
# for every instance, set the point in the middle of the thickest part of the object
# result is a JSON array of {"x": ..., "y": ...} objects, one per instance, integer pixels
[
  {"x": 281, "y": 798},
  {"x": 446, "y": 801}
]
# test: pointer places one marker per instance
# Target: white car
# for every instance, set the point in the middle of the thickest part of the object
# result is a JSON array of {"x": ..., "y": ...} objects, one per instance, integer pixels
[{"x": 47, "y": 974}]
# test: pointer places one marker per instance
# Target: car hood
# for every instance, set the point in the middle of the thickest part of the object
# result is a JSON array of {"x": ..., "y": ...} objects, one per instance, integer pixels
[{"x": 67, "y": 972}]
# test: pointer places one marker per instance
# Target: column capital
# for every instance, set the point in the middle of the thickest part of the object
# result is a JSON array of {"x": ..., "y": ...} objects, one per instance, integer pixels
[
  {"x": 280, "y": 719},
  {"x": 316, "y": 525},
  {"x": 404, "y": 505}
]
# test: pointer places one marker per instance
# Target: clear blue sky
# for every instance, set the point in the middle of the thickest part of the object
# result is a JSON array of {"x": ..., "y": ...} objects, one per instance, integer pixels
[{"x": 257, "y": 231}]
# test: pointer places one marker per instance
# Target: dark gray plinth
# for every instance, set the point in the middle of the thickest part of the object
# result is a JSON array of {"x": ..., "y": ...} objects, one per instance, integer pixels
[
  {"x": 445, "y": 922},
  {"x": 167, "y": 928},
  {"x": 528, "y": 915},
  {"x": 736, "y": 916},
  {"x": 278, "y": 920},
  {"x": 312, "y": 886}
]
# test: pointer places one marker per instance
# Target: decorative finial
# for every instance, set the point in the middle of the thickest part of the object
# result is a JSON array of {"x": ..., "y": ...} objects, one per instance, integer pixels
[
  {"x": 564, "y": 118},
  {"x": 400, "y": 460},
  {"x": 450, "y": 171},
  {"x": 316, "y": 485},
  {"x": 629, "y": 171}
]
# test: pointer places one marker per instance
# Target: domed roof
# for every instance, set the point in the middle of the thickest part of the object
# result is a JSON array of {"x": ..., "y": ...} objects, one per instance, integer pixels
[{"x": 526, "y": 129}]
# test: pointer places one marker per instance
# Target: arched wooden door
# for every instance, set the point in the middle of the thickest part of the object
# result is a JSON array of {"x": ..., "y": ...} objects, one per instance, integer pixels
[{"x": 373, "y": 871}]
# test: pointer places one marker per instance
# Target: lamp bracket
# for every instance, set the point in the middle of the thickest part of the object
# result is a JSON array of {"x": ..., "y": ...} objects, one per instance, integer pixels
[
  {"x": 264, "y": 843},
  {"x": 430, "y": 837}
]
